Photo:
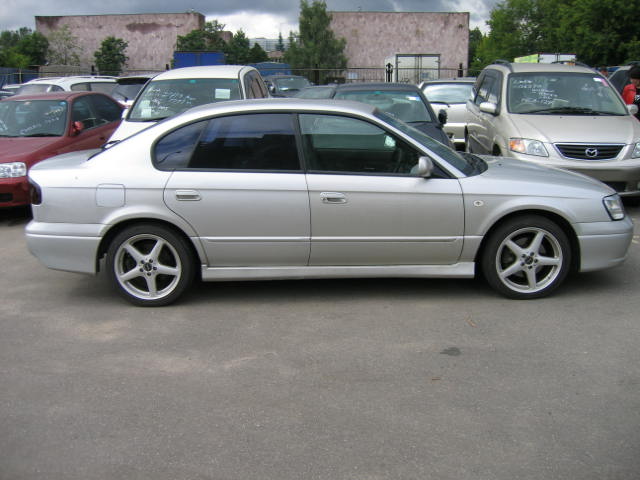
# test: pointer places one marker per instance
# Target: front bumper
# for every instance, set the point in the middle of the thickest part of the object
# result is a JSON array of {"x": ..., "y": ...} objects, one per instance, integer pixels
[
  {"x": 603, "y": 244},
  {"x": 14, "y": 192}
]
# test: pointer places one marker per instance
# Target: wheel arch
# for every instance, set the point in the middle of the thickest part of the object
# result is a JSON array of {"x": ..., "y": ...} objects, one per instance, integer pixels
[
  {"x": 120, "y": 226},
  {"x": 554, "y": 217}
]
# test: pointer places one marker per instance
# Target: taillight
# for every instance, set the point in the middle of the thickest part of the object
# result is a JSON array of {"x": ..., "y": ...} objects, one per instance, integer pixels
[{"x": 35, "y": 193}]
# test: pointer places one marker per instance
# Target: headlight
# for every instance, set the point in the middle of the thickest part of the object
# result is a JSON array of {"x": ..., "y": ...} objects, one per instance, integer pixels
[
  {"x": 636, "y": 151},
  {"x": 527, "y": 146},
  {"x": 614, "y": 207},
  {"x": 13, "y": 170}
]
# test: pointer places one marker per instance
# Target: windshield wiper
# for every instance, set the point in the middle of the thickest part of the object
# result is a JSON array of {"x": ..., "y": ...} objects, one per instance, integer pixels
[
  {"x": 42, "y": 135},
  {"x": 570, "y": 110}
]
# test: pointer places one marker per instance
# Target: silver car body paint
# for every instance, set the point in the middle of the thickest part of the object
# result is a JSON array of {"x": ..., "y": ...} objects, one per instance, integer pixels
[{"x": 256, "y": 225}]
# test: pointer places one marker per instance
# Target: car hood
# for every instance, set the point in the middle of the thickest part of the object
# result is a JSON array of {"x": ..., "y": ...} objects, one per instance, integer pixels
[
  {"x": 578, "y": 128},
  {"x": 18, "y": 148},
  {"x": 509, "y": 176}
]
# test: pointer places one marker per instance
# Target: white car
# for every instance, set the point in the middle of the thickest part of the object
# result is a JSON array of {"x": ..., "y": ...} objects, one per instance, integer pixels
[
  {"x": 174, "y": 91},
  {"x": 102, "y": 84}
]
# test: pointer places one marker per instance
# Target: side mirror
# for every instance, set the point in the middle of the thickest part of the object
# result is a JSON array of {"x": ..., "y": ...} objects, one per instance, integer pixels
[
  {"x": 488, "y": 107},
  {"x": 424, "y": 168},
  {"x": 442, "y": 117},
  {"x": 272, "y": 88},
  {"x": 77, "y": 128},
  {"x": 633, "y": 109}
]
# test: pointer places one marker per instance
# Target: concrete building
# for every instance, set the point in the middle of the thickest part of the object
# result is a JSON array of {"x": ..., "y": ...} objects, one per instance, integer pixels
[
  {"x": 151, "y": 37},
  {"x": 418, "y": 45}
]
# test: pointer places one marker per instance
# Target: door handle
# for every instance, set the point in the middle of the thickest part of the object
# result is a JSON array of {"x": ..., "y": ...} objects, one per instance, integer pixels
[
  {"x": 333, "y": 197},
  {"x": 187, "y": 195}
]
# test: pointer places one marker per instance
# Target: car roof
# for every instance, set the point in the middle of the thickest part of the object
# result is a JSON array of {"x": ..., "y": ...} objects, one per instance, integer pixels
[
  {"x": 540, "y": 67},
  {"x": 377, "y": 86},
  {"x": 277, "y": 104},
  {"x": 71, "y": 80},
  {"x": 64, "y": 95},
  {"x": 208, "y": 71},
  {"x": 449, "y": 80}
]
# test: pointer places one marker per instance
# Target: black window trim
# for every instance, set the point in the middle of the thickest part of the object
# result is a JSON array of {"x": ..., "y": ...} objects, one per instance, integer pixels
[{"x": 443, "y": 172}]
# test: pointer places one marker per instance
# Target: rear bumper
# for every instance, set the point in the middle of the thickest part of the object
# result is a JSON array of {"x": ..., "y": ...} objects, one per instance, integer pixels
[{"x": 68, "y": 247}]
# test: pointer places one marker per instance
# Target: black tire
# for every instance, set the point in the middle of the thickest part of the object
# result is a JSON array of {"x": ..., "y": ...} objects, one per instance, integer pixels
[
  {"x": 150, "y": 265},
  {"x": 526, "y": 257}
]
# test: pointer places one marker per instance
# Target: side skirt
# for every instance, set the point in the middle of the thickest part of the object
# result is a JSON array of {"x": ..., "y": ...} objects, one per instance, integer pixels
[{"x": 457, "y": 270}]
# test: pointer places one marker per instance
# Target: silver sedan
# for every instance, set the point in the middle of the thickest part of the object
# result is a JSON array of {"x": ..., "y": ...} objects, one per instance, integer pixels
[{"x": 293, "y": 189}]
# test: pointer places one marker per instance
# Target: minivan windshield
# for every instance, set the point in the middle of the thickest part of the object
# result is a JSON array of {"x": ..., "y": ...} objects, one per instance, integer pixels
[
  {"x": 562, "y": 93},
  {"x": 164, "y": 98}
]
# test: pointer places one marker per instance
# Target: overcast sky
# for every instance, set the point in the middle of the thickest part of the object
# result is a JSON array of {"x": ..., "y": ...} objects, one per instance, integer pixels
[{"x": 257, "y": 18}]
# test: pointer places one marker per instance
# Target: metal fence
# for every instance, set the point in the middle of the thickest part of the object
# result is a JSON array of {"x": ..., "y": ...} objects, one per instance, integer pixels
[
  {"x": 317, "y": 76},
  {"x": 15, "y": 75}
]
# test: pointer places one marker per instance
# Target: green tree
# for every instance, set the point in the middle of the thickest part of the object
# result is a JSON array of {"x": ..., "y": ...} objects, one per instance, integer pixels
[
  {"x": 34, "y": 46},
  {"x": 207, "y": 39},
  {"x": 22, "y": 48},
  {"x": 601, "y": 32},
  {"x": 110, "y": 57},
  {"x": 280, "y": 44},
  {"x": 257, "y": 54},
  {"x": 475, "y": 39},
  {"x": 63, "y": 47},
  {"x": 316, "y": 47},
  {"x": 237, "y": 51}
]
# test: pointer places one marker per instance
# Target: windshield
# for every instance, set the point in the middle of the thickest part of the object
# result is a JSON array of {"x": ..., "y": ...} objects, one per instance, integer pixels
[
  {"x": 562, "y": 93},
  {"x": 163, "y": 98},
  {"x": 407, "y": 106},
  {"x": 466, "y": 163},
  {"x": 448, "y": 92},
  {"x": 33, "y": 118},
  {"x": 290, "y": 83}
]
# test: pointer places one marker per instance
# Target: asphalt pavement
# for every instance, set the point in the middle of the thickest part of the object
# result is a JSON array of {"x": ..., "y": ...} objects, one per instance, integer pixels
[{"x": 334, "y": 379}]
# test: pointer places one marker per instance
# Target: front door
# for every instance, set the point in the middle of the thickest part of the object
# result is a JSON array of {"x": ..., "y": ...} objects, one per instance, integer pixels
[{"x": 367, "y": 205}]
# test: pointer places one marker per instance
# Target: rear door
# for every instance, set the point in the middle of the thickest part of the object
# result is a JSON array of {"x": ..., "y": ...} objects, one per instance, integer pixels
[{"x": 238, "y": 181}]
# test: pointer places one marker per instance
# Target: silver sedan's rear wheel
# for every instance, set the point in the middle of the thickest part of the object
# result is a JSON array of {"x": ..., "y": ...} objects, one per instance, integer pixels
[
  {"x": 527, "y": 257},
  {"x": 149, "y": 265}
]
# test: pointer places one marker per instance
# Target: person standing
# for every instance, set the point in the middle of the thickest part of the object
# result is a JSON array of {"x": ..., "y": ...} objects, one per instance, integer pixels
[{"x": 631, "y": 93}]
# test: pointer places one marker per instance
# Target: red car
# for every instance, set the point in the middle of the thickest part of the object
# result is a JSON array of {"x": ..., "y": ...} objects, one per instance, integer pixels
[{"x": 36, "y": 127}]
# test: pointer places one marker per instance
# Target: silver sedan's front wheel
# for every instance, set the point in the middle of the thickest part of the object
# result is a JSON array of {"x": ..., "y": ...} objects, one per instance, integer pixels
[
  {"x": 149, "y": 265},
  {"x": 527, "y": 257}
]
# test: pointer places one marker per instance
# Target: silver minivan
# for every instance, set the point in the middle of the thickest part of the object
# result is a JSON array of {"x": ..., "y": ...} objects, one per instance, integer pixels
[{"x": 556, "y": 115}]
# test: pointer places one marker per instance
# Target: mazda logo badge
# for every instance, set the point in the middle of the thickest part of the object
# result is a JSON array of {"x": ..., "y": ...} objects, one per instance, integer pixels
[{"x": 591, "y": 152}]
